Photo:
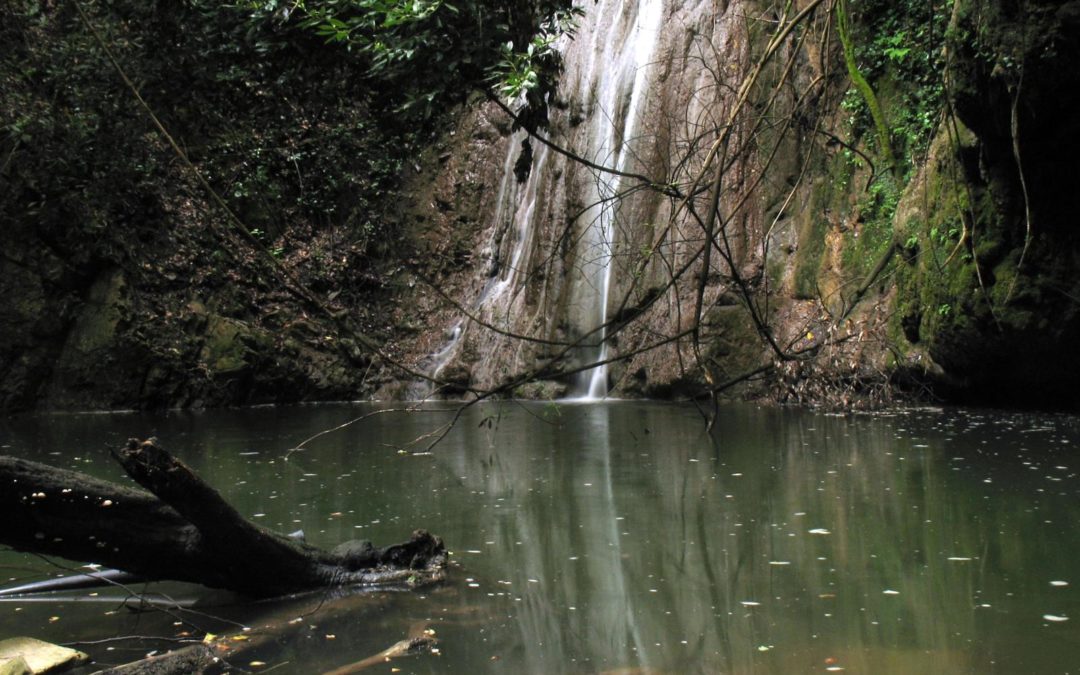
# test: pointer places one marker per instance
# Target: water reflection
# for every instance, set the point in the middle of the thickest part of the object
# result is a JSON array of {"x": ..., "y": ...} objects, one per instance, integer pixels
[{"x": 594, "y": 538}]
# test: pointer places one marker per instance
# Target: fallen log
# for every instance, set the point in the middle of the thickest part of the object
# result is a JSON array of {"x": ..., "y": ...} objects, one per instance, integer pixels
[
  {"x": 223, "y": 653},
  {"x": 183, "y": 529},
  {"x": 406, "y": 647}
]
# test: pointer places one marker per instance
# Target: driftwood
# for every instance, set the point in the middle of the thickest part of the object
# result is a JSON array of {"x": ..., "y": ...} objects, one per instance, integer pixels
[
  {"x": 233, "y": 651},
  {"x": 221, "y": 654},
  {"x": 406, "y": 647},
  {"x": 182, "y": 529},
  {"x": 197, "y": 658}
]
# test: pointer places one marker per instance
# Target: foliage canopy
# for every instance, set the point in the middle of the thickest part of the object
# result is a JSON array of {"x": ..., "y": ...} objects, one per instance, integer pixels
[{"x": 429, "y": 51}]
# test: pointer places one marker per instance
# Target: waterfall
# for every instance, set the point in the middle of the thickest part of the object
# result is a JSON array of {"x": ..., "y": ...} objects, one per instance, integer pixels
[
  {"x": 608, "y": 72},
  {"x": 514, "y": 212},
  {"x": 617, "y": 80}
]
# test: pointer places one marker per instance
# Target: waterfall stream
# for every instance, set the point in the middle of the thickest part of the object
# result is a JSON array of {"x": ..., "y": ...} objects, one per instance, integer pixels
[
  {"x": 618, "y": 80},
  {"x": 514, "y": 213},
  {"x": 608, "y": 72},
  {"x": 499, "y": 278}
]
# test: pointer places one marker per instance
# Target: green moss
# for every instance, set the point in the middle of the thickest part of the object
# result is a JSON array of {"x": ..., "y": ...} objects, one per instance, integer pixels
[
  {"x": 960, "y": 267},
  {"x": 808, "y": 258},
  {"x": 105, "y": 306},
  {"x": 734, "y": 343},
  {"x": 827, "y": 202},
  {"x": 864, "y": 246},
  {"x": 232, "y": 346},
  {"x": 540, "y": 390}
]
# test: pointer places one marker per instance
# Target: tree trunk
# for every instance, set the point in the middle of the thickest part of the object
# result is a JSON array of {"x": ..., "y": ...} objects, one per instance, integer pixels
[{"x": 186, "y": 531}]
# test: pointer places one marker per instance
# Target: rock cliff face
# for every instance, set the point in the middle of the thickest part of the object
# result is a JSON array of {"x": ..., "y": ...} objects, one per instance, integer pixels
[
  {"x": 966, "y": 288},
  {"x": 585, "y": 243},
  {"x": 609, "y": 259},
  {"x": 505, "y": 263},
  {"x": 114, "y": 337},
  {"x": 1002, "y": 318}
]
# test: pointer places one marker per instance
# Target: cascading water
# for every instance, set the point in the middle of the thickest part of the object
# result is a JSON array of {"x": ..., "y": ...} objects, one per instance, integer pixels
[
  {"x": 515, "y": 206},
  {"x": 608, "y": 73}
]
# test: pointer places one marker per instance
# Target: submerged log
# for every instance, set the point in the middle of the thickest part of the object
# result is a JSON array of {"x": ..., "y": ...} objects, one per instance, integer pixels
[
  {"x": 225, "y": 653},
  {"x": 182, "y": 529}
]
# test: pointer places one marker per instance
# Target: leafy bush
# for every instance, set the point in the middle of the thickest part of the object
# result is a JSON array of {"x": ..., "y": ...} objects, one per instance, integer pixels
[
  {"x": 899, "y": 47},
  {"x": 432, "y": 51}
]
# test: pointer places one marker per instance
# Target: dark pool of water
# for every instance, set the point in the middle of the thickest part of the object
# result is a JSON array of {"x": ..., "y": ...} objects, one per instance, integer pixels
[{"x": 625, "y": 538}]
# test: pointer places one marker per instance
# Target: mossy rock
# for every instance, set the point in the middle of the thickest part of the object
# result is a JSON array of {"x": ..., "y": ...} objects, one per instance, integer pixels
[
  {"x": 26, "y": 655},
  {"x": 541, "y": 390},
  {"x": 733, "y": 341},
  {"x": 232, "y": 346},
  {"x": 996, "y": 322},
  {"x": 15, "y": 666},
  {"x": 106, "y": 305}
]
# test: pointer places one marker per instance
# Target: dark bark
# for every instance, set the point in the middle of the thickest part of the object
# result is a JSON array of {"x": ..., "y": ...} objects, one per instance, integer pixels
[{"x": 186, "y": 531}]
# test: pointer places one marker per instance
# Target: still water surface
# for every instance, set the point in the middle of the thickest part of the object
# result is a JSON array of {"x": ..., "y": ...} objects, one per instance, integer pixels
[{"x": 625, "y": 538}]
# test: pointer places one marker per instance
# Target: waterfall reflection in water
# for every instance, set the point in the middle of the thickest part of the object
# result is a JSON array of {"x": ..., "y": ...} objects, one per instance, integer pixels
[{"x": 589, "y": 538}]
